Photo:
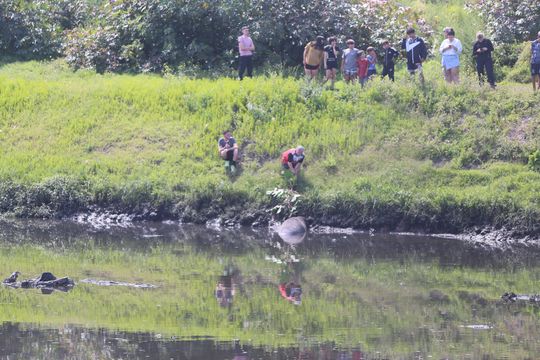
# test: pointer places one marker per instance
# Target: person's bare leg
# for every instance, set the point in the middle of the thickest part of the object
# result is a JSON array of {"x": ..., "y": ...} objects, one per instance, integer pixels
[
  {"x": 454, "y": 72},
  {"x": 235, "y": 155},
  {"x": 534, "y": 82}
]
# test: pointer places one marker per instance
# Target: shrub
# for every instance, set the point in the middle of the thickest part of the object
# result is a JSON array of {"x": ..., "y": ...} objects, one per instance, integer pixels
[
  {"x": 521, "y": 72},
  {"x": 534, "y": 161}
]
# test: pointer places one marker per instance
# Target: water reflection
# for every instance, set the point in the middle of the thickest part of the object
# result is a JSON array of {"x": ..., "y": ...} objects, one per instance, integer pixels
[
  {"x": 227, "y": 286},
  {"x": 19, "y": 341},
  {"x": 403, "y": 296}
]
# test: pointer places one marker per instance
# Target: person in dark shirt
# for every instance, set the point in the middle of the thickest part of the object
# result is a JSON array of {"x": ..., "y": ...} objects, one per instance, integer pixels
[
  {"x": 482, "y": 50},
  {"x": 416, "y": 53},
  {"x": 331, "y": 56},
  {"x": 389, "y": 56},
  {"x": 228, "y": 150}
]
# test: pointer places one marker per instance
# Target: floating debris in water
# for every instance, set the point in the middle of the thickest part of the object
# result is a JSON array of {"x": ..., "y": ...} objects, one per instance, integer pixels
[
  {"x": 512, "y": 297},
  {"x": 117, "y": 283},
  {"x": 478, "y": 327}
]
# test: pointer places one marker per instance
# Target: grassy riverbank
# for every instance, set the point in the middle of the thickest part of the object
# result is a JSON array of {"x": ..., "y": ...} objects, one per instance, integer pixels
[{"x": 391, "y": 156}]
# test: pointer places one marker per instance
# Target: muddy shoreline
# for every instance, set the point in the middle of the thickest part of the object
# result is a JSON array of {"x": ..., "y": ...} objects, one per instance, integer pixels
[{"x": 486, "y": 237}]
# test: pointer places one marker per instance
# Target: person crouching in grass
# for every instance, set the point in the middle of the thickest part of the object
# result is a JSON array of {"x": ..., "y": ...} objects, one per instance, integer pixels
[
  {"x": 228, "y": 150},
  {"x": 291, "y": 163}
]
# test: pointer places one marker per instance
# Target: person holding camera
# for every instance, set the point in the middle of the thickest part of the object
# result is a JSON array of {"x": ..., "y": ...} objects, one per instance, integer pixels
[{"x": 482, "y": 50}]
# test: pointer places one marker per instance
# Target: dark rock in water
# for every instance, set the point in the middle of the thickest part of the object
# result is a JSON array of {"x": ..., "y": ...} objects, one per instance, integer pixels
[
  {"x": 293, "y": 230},
  {"x": 437, "y": 295},
  {"x": 45, "y": 281},
  {"x": 512, "y": 297},
  {"x": 47, "y": 276},
  {"x": 12, "y": 278}
]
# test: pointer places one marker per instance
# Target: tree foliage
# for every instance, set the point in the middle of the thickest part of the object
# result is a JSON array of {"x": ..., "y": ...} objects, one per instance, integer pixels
[
  {"x": 146, "y": 35},
  {"x": 509, "y": 20},
  {"x": 34, "y": 29}
]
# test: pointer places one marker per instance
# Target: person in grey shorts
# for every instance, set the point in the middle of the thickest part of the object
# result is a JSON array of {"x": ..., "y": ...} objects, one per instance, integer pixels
[{"x": 349, "y": 64}]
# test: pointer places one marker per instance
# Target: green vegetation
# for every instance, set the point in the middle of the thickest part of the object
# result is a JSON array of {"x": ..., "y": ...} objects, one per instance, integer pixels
[
  {"x": 395, "y": 307},
  {"x": 438, "y": 158}
]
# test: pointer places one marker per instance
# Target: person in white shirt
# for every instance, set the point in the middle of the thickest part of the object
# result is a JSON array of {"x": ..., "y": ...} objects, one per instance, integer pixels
[{"x": 450, "y": 50}]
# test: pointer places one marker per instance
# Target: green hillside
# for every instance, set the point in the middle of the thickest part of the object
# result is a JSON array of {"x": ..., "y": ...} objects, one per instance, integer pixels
[{"x": 391, "y": 156}]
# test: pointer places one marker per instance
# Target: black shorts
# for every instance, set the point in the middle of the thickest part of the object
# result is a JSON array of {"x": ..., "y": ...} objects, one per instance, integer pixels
[
  {"x": 230, "y": 155},
  {"x": 331, "y": 65},
  {"x": 535, "y": 69},
  {"x": 311, "y": 67}
]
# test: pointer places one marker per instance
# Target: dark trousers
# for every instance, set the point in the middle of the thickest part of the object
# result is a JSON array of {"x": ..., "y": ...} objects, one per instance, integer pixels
[
  {"x": 245, "y": 63},
  {"x": 388, "y": 69},
  {"x": 485, "y": 66}
]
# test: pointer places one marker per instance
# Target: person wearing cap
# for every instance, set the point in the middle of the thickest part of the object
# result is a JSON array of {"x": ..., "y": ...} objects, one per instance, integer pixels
[
  {"x": 292, "y": 160},
  {"x": 535, "y": 62},
  {"x": 313, "y": 57},
  {"x": 246, "y": 49},
  {"x": 228, "y": 150},
  {"x": 349, "y": 65},
  {"x": 482, "y": 50}
]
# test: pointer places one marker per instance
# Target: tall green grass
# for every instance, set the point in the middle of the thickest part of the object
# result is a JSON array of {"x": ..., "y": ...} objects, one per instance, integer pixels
[{"x": 392, "y": 155}]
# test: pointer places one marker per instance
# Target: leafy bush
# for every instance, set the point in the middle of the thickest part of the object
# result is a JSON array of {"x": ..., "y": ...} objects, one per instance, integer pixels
[
  {"x": 509, "y": 20},
  {"x": 34, "y": 29},
  {"x": 534, "y": 161},
  {"x": 521, "y": 72}
]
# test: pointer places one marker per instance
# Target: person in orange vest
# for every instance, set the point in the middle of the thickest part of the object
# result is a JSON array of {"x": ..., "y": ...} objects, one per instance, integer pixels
[{"x": 292, "y": 160}]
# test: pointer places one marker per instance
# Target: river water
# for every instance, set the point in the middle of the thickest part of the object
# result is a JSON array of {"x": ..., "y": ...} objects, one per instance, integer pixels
[{"x": 244, "y": 294}]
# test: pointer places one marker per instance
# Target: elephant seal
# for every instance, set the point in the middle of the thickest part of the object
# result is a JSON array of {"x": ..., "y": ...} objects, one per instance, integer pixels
[{"x": 293, "y": 230}]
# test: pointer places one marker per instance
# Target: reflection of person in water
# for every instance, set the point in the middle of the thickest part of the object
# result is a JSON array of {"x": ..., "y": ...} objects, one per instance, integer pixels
[
  {"x": 290, "y": 286},
  {"x": 226, "y": 287},
  {"x": 292, "y": 292}
]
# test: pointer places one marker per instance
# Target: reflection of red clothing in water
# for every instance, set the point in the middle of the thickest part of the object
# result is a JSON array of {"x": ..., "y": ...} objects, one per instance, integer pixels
[{"x": 283, "y": 291}]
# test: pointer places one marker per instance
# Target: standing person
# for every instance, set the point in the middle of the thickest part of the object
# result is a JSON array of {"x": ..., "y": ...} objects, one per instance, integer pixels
[
  {"x": 246, "y": 49},
  {"x": 535, "y": 62},
  {"x": 372, "y": 59},
  {"x": 482, "y": 50},
  {"x": 445, "y": 32},
  {"x": 331, "y": 55},
  {"x": 416, "y": 53},
  {"x": 363, "y": 65},
  {"x": 228, "y": 150},
  {"x": 349, "y": 65},
  {"x": 389, "y": 56},
  {"x": 313, "y": 57},
  {"x": 450, "y": 50}
]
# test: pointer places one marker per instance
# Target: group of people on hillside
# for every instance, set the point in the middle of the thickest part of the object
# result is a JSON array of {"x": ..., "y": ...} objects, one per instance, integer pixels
[{"x": 356, "y": 64}]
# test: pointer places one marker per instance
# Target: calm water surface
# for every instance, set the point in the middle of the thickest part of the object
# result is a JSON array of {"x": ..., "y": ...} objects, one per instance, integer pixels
[{"x": 243, "y": 294}]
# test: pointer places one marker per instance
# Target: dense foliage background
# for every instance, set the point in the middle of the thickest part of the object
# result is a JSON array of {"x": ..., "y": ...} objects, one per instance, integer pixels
[
  {"x": 147, "y": 35},
  {"x": 156, "y": 35}
]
